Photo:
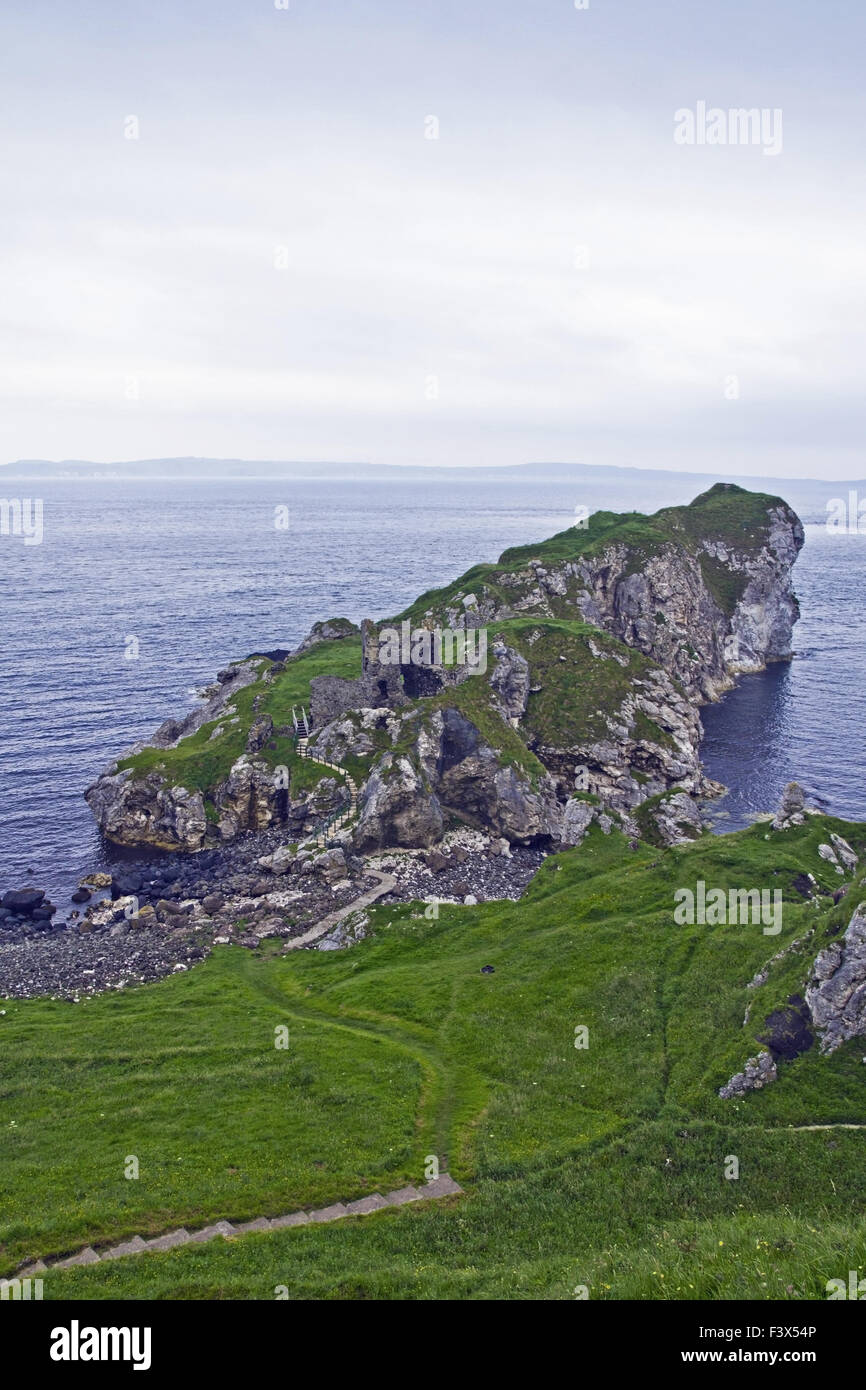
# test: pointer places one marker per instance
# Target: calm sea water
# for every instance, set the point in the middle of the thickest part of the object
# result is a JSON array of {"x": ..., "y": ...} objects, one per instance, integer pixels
[
  {"x": 802, "y": 720},
  {"x": 199, "y": 574}
]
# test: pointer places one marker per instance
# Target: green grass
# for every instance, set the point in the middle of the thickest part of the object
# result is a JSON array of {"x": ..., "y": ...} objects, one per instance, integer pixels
[
  {"x": 185, "y": 1076},
  {"x": 725, "y": 513},
  {"x": 602, "y": 1167},
  {"x": 200, "y": 763},
  {"x": 579, "y": 691}
]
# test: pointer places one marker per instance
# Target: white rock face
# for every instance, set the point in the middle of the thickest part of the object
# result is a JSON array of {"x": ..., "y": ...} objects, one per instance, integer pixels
[
  {"x": 576, "y": 820},
  {"x": 397, "y": 808},
  {"x": 145, "y": 811},
  {"x": 836, "y": 993}
]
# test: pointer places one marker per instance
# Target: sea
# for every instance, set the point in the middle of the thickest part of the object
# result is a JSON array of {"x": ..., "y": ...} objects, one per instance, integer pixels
[{"x": 141, "y": 590}]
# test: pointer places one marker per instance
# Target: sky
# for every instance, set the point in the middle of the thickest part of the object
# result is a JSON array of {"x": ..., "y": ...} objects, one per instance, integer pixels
[{"x": 451, "y": 232}]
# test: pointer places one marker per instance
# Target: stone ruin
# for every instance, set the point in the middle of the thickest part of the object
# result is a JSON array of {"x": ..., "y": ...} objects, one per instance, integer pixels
[{"x": 381, "y": 684}]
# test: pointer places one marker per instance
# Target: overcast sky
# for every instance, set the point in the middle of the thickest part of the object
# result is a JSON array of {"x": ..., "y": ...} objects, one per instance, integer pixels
[{"x": 283, "y": 265}]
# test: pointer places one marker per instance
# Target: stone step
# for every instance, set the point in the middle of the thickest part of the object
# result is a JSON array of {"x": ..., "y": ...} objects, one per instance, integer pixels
[
  {"x": 126, "y": 1247},
  {"x": 296, "y": 1218},
  {"x": 443, "y": 1186},
  {"x": 88, "y": 1256},
  {"x": 219, "y": 1228},
  {"x": 169, "y": 1241},
  {"x": 364, "y": 1205},
  {"x": 402, "y": 1195},
  {"x": 333, "y": 1213}
]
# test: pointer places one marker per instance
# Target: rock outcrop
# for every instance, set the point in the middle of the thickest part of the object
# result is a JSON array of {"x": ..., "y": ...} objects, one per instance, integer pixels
[
  {"x": 836, "y": 993},
  {"x": 510, "y": 682},
  {"x": 792, "y": 808},
  {"x": 603, "y": 643},
  {"x": 703, "y": 590},
  {"x": 332, "y": 630},
  {"x": 449, "y": 768},
  {"x": 758, "y": 1072},
  {"x": 146, "y": 811}
]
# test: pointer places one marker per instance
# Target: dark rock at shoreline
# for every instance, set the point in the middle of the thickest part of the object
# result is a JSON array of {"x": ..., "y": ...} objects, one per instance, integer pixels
[
  {"x": 124, "y": 884},
  {"x": 23, "y": 901},
  {"x": 184, "y": 907}
]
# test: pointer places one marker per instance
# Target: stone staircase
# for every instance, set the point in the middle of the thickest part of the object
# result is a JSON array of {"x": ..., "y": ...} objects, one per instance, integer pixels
[
  {"x": 344, "y": 817},
  {"x": 443, "y": 1186}
]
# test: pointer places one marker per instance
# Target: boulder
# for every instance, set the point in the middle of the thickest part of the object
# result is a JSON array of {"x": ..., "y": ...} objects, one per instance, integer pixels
[
  {"x": 331, "y": 865},
  {"x": 436, "y": 861},
  {"x": 166, "y": 908},
  {"x": 280, "y": 861},
  {"x": 792, "y": 807},
  {"x": 23, "y": 902},
  {"x": 145, "y": 917},
  {"x": 828, "y": 853},
  {"x": 109, "y": 914},
  {"x": 677, "y": 819},
  {"x": 844, "y": 851}
]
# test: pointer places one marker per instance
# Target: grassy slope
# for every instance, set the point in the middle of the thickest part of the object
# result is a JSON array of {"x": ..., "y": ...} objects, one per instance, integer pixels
[
  {"x": 601, "y": 1167},
  {"x": 725, "y": 513},
  {"x": 201, "y": 764},
  {"x": 570, "y": 707},
  {"x": 579, "y": 691}
]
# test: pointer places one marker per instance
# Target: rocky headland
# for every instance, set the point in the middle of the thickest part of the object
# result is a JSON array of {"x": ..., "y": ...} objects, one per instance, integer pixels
[
  {"x": 603, "y": 643},
  {"x": 272, "y": 801}
]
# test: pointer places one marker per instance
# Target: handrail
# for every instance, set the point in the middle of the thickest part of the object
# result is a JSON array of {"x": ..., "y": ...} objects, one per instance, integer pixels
[{"x": 342, "y": 813}]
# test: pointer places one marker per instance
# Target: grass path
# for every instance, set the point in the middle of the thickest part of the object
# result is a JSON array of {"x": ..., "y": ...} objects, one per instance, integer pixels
[{"x": 436, "y": 1103}]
